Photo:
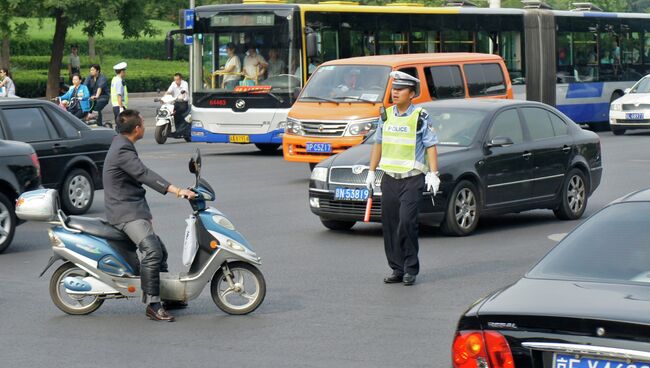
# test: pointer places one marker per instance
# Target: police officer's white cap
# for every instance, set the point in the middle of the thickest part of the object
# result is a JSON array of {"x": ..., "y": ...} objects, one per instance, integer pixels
[
  {"x": 119, "y": 66},
  {"x": 403, "y": 80}
]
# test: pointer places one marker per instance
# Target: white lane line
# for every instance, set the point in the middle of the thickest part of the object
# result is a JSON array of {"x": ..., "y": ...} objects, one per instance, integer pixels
[{"x": 557, "y": 237}]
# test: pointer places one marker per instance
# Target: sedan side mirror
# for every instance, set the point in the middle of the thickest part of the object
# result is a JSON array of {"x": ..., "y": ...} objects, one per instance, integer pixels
[
  {"x": 500, "y": 142},
  {"x": 627, "y": 90}
]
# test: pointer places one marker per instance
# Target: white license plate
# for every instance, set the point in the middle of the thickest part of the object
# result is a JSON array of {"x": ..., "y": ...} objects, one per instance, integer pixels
[
  {"x": 351, "y": 194},
  {"x": 570, "y": 361},
  {"x": 634, "y": 116}
]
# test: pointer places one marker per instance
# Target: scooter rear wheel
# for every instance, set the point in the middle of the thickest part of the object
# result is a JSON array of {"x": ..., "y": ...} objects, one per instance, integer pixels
[
  {"x": 71, "y": 304},
  {"x": 245, "y": 295}
]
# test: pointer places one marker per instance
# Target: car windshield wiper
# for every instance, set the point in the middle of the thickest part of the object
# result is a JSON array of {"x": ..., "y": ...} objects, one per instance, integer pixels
[
  {"x": 320, "y": 99},
  {"x": 355, "y": 98}
]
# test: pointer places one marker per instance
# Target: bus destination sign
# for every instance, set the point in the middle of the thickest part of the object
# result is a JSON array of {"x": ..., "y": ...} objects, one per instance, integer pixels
[{"x": 242, "y": 20}]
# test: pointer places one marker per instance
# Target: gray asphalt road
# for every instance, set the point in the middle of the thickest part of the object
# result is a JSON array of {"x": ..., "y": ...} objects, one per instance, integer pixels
[{"x": 326, "y": 305}]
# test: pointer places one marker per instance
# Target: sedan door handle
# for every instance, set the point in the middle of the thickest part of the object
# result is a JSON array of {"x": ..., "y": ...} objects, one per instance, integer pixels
[
  {"x": 526, "y": 155},
  {"x": 566, "y": 149}
]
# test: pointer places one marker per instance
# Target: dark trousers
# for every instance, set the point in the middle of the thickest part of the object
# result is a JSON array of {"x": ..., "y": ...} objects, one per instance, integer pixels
[
  {"x": 116, "y": 111},
  {"x": 400, "y": 200},
  {"x": 180, "y": 107},
  {"x": 100, "y": 103}
]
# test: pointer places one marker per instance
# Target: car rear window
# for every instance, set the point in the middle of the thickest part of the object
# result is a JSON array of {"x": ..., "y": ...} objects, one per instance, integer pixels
[
  {"x": 611, "y": 246},
  {"x": 445, "y": 82},
  {"x": 28, "y": 124},
  {"x": 484, "y": 79}
]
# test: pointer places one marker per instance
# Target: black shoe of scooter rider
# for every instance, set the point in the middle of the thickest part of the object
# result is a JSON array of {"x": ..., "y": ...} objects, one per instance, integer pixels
[
  {"x": 174, "y": 304},
  {"x": 157, "y": 313}
]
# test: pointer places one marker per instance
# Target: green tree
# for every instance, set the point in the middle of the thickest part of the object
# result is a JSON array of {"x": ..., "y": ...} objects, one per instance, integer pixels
[
  {"x": 130, "y": 14},
  {"x": 8, "y": 9}
]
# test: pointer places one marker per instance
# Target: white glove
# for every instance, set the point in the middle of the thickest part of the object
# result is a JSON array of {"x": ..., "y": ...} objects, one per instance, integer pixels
[
  {"x": 370, "y": 180},
  {"x": 432, "y": 182},
  {"x": 121, "y": 108}
]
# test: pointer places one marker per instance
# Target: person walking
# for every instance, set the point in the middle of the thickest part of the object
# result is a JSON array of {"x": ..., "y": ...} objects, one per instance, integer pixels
[
  {"x": 405, "y": 149},
  {"x": 126, "y": 207},
  {"x": 119, "y": 92},
  {"x": 98, "y": 87},
  {"x": 7, "y": 86}
]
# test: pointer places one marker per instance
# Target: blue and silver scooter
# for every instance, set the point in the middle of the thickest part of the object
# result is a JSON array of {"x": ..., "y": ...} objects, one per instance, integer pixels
[{"x": 100, "y": 262}]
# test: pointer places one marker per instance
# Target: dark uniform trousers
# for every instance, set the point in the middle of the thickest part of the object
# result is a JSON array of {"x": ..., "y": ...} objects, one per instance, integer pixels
[{"x": 400, "y": 200}]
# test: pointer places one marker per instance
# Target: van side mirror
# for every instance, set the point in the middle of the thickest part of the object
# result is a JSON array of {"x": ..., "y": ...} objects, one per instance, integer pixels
[
  {"x": 169, "y": 46},
  {"x": 500, "y": 142},
  {"x": 312, "y": 41},
  {"x": 627, "y": 90}
]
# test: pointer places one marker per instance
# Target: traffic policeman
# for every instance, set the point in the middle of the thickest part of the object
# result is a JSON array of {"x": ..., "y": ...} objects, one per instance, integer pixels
[
  {"x": 405, "y": 149},
  {"x": 119, "y": 93}
]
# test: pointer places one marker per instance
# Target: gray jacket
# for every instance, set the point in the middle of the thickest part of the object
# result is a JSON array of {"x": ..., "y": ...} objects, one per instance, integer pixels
[{"x": 124, "y": 174}]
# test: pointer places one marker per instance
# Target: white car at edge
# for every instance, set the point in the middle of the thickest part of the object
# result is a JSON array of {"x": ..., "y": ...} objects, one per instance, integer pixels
[{"x": 632, "y": 110}]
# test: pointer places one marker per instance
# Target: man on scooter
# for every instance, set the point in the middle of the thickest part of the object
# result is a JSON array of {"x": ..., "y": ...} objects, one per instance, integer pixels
[
  {"x": 179, "y": 90},
  {"x": 127, "y": 208}
]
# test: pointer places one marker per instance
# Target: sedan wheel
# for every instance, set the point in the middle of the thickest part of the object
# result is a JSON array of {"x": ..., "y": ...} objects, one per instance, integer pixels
[
  {"x": 7, "y": 223},
  {"x": 462, "y": 210},
  {"x": 574, "y": 196},
  {"x": 77, "y": 192}
]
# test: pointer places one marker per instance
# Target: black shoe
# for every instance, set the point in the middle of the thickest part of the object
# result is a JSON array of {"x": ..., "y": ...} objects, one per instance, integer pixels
[
  {"x": 174, "y": 304},
  {"x": 158, "y": 315},
  {"x": 408, "y": 279},
  {"x": 394, "y": 278}
]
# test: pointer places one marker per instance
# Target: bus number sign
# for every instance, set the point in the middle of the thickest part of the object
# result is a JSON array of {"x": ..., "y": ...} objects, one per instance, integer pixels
[{"x": 239, "y": 20}]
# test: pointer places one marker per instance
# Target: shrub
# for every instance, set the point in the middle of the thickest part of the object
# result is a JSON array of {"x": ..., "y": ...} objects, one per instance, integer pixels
[{"x": 141, "y": 48}]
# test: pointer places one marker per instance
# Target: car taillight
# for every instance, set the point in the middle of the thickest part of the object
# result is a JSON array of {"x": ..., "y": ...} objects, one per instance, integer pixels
[
  {"x": 481, "y": 349},
  {"x": 36, "y": 164}
]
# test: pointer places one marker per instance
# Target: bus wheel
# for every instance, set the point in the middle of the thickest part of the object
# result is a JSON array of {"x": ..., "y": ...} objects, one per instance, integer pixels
[{"x": 267, "y": 147}]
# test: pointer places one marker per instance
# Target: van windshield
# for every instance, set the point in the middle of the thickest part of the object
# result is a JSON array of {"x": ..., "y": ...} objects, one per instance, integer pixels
[{"x": 347, "y": 83}]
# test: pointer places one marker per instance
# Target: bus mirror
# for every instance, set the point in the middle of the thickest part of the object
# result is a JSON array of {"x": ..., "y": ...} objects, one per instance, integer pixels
[
  {"x": 627, "y": 90},
  {"x": 311, "y": 44},
  {"x": 169, "y": 46}
]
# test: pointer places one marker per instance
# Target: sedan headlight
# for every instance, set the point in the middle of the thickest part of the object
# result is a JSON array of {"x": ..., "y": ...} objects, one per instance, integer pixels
[
  {"x": 616, "y": 107},
  {"x": 319, "y": 174},
  {"x": 294, "y": 127}
]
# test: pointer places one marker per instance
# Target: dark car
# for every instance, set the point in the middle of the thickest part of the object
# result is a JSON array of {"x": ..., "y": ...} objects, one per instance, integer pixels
[
  {"x": 71, "y": 154},
  {"x": 495, "y": 156},
  {"x": 584, "y": 305},
  {"x": 19, "y": 172}
]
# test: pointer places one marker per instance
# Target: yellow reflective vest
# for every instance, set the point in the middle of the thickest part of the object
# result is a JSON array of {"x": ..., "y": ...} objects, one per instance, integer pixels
[{"x": 398, "y": 143}]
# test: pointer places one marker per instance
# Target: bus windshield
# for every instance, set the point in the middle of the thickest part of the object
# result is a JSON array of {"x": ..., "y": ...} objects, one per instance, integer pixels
[
  {"x": 249, "y": 52},
  {"x": 347, "y": 83}
]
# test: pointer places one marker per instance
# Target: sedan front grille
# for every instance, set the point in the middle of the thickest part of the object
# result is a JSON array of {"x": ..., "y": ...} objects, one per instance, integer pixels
[
  {"x": 344, "y": 175},
  {"x": 358, "y": 209},
  {"x": 633, "y": 107},
  {"x": 324, "y": 129},
  {"x": 626, "y": 121}
]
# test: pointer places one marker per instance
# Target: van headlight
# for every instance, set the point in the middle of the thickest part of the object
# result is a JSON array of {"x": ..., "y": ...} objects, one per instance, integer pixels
[
  {"x": 223, "y": 222},
  {"x": 360, "y": 128},
  {"x": 294, "y": 127},
  {"x": 319, "y": 174},
  {"x": 616, "y": 107}
]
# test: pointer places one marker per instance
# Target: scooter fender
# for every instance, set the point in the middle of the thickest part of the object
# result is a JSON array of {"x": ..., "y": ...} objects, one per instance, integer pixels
[
  {"x": 161, "y": 122},
  {"x": 242, "y": 256}
]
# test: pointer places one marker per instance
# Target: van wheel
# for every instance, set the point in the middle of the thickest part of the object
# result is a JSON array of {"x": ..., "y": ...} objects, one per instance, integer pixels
[
  {"x": 77, "y": 192},
  {"x": 574, "y": 196},
  {"x": 618, "y": 131},
  {"x": 267, "y": 147},
  {"x": 463, "y": 207},
  {"x": 337, "y": 225},
  {"x": 7, "y": 222}
]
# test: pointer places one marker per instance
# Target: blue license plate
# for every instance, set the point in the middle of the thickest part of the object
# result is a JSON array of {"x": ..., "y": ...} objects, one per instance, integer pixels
[
  {"x": 319, "y": 147},
  {"x": 351, "y": 194},
  {"x": 634, "y": 116},
  {"x": 570, "y": 361}
]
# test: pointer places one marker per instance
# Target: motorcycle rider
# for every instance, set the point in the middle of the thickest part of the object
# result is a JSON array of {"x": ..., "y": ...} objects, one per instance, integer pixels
[
  {"x": 179, "y": 90},
  {"x": 76, "y": 99},
  {"x": 127, "y": 208},
  {"x": 98, "y": 87}
]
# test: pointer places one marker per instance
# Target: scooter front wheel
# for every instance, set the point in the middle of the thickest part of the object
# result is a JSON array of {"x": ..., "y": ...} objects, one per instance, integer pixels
[
  {"x": 160, "y": 134},
  {"x": 240, "y": 291},
  {"x": 69, "y": 303}
]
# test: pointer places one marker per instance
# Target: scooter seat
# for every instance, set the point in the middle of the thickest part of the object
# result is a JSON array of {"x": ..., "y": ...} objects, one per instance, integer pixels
[{"x": 95, "y": 226}]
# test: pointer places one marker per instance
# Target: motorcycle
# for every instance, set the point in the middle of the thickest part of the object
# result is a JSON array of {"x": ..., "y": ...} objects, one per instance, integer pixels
[
  {"x": 166, "y": 124},
  {"x": 90, "y": 119},
  {"x": 100, "y": 262}
]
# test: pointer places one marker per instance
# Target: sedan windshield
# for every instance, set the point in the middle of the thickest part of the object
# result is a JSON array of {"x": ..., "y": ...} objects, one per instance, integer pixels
[
  {"x": 453, "y": 127},
  {"x": 611, "y": 246},
  {"x": 643, "y": 86},
  {"x": 347, "y": 83}
]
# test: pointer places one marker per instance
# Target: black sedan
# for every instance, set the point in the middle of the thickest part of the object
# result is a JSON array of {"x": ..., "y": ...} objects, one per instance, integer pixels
[
  {"x": 495, "y": 156},
  {"x": 71, "y": 154},
  {"x": 584, "y": 305}
]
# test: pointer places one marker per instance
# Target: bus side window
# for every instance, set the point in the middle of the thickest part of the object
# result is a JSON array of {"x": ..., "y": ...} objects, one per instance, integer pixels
[{"x": 445, "y": 82}]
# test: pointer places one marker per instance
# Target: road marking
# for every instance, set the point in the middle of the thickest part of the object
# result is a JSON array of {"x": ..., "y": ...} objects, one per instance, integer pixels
[
  {"x": 557, "y": 237},
  {"x": 644, "y": 161}
]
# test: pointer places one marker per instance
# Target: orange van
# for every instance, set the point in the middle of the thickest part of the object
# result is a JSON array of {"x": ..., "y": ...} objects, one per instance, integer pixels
[{"x": 340, "y": 103}]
